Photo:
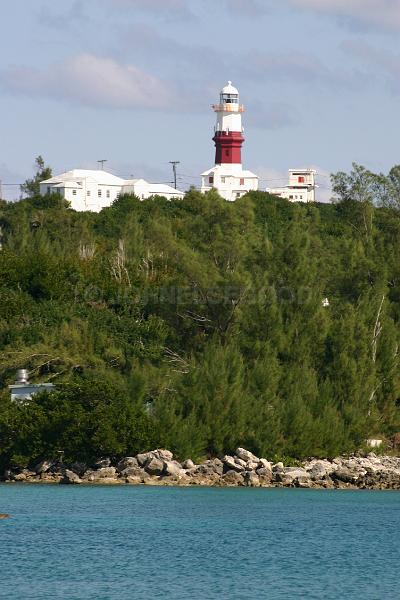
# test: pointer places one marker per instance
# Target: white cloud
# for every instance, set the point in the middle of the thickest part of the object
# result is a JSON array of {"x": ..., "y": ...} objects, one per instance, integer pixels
[
  {"x": 90, "y": 80},
  {"x": 383, "y": 14}
]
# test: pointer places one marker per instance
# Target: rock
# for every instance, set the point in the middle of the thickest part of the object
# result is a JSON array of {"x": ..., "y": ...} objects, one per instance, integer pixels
[
  {"x": 154, "y": 466},
  {"x": 344, "y": 474},
  {"x": 20, "y": 477},
  {"x": 172, "y": 467},
  {"x": 278, "y": 467},
  {"x": 232, "y": 478},
  {"x": 188, "y": 464},
  {"x": 78, "y": 467},
  {"x": 132, "y": 472},
  {"x": 143, "y": 458},
  {"x": 266, "y": 475},
  {"x": 103, "y": 473},
  {"x": 42, "y": 467},
  {"x": 251, "y": 479},
  {"x": 163, "y": 454},
  {"x": 293, "y": 476},
  {"x": 4, "y": 516},
  {"x": 127, "y": 462},
  {"x": 102, "y": 463},
  {"x": 319, "y": 468},
  {"x": 239, "y": 461},
  {"x": 210, "y": 467},
  {"x": 134, "y": 480},
  {"x": 71, "y": 478},
  {"x": 230, "y": 464},
  {"x": 246, "y": 455}
]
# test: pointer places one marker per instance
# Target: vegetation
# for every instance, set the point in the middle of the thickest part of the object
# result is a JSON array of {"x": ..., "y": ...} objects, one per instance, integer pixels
[{"x": 199, "y": 324}]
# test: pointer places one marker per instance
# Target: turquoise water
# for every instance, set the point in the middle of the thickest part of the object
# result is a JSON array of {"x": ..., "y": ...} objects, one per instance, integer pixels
[{"x": 143, "y": 543}]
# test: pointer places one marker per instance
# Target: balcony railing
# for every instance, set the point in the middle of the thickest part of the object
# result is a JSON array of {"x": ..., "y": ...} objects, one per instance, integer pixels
[{"x": 228, "y": 107}]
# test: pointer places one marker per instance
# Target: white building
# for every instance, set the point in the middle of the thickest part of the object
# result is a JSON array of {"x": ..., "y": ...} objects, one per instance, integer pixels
[
  {"x": 22, "y": 390},
  {"x": 301, "y": 187},
  {"x": 228, "y": 175},
  {"x": 92, "y": 190},
  {"x": 143, "y": 189}
]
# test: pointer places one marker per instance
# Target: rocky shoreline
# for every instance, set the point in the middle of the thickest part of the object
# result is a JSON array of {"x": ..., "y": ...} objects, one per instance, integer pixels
[{"x": 158, "y": 467}]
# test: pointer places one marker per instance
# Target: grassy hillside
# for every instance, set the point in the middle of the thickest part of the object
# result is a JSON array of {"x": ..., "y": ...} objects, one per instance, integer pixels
[{"x": 199, "y": 325}]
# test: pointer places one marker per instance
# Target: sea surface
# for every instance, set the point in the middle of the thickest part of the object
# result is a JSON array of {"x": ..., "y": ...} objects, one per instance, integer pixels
[{"x": 145, "y": 543}]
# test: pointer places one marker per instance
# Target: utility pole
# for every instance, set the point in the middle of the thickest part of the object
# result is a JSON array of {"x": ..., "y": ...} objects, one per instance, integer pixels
[
  {"x": 101, "y": 162},
  {"x": 174, "y": 163}
]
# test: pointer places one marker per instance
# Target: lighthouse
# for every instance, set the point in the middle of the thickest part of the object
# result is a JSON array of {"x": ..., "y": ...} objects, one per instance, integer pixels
[{"x": 228, "y": 176}]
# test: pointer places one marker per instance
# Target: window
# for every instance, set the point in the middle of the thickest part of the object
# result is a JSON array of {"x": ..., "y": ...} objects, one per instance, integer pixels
[
  {"x": 88, "y": 192},
  {"x": 237, "y": 194},
  {"x": 242, "y": 181},
  {"x": 222, "y": 179},
  {"x": 211, "y": 180},
  {"x": 74, "y": 192},
  {"x": 99, "y": 193},
  {"x": 301, "y": 179},
  {"x": 290, "y": 197},
  {"x": 48, "y": 189},
  {"x": 301, "y": 197},
  {"x": 108, "y": 193},
  {"x": 227, "y": 152}
]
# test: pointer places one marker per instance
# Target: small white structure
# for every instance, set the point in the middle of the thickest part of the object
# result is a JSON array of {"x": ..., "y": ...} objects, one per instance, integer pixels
[
  {"x": 374, "y": 443},
  {"x": 22, "y": 390},
  {"x": 301, "y": 187},
  {"x": 228, "y": 176},
  {"x": 231, "y": 181},
  {"x": 143, "y": 189},
  {"x": 92, "y": 190}
]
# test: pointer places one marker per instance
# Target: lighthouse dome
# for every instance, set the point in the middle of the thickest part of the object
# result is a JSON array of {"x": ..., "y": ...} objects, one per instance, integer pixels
[{"x": 229, "y": 89}]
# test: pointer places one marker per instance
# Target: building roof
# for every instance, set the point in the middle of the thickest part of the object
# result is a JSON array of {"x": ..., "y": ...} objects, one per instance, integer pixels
[
  {"x": 100, "y": 177},
  {"x": 224, "y": 172},
  {"x": 159, "y": 189}
]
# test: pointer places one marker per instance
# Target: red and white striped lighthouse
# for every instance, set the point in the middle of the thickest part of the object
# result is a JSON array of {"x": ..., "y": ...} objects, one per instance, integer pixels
[
  {"x": 228, "y": 176},
  {"x": 228, "y": 136}
]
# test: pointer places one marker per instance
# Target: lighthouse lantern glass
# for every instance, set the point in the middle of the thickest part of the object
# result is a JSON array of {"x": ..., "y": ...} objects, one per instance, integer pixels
[{"x": 229, "y": 98}]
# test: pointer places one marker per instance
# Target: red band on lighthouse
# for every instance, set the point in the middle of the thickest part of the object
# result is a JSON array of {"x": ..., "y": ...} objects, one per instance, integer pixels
[{"x": 228, "y": 147}]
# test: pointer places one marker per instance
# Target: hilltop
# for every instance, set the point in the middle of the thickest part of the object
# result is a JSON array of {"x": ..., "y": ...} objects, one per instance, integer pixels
[{"x": 199, "y": 325}]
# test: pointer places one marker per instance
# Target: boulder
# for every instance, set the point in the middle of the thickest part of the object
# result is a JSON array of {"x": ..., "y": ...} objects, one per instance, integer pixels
[
  {"x": 188, "y": 464},
  {"x": 4, "y": 516},
  {"x": 103, "y": 473},
  {"x": 143, "y": 458},
  {"x": 128, "y": 461},
  {"x": 278, "y": 467},
  {"x": 20, "y": 477},
  {"x": 230, "y": 464},
  {"x": 293, "y": 476},
  {"x": 154, "y": 466},
  {"x": 132, "y": 472},
  {"x": 232, "y": 478},
  {"x": 163, "y": 454},
  {"x": 265, "y": 474},
  {"x": 172, "y": 467},
  {"x": 78, "y": 467},
  {"x": 134, "y": 480},
  {"x": 42, "y": 467},
  {"x": 70, "y": 478},
  {"x": 246, "y": 455},
  {"x": 210, "y": 467},
  {"x": 102, "y": 463},
  {"x": 251, "y": 479},
  {"x": 345, "y": 474},
  {"x": 239, "y": 461}
]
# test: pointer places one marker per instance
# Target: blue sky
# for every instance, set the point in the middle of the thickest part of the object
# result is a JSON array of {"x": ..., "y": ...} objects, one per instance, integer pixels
[{"x": 132, "y": 81}]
